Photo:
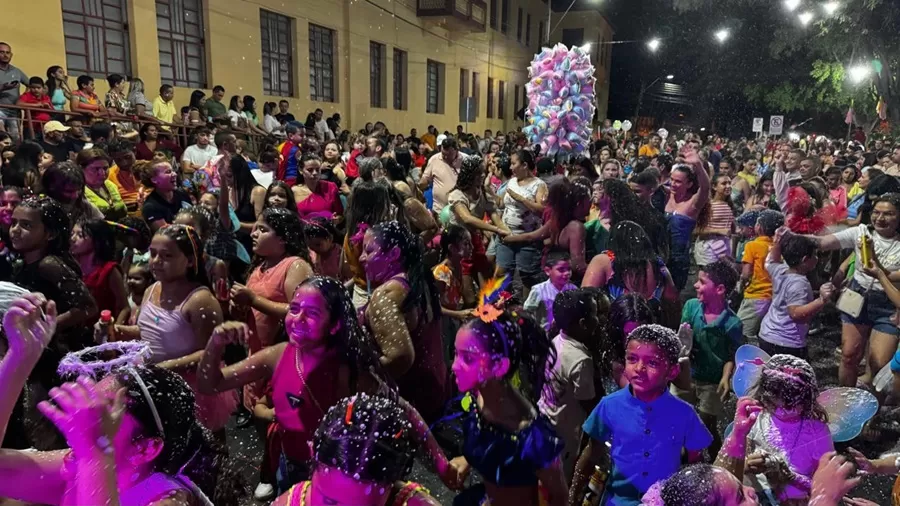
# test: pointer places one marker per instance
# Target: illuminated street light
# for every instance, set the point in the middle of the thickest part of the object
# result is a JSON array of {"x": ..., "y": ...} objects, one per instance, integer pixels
[
  {"x": 791, "y": 5},
  {"x": 670, "y": 77},
  {"x": 653, "y": 44},
  {"x": 722, "y": 35},
  {"x": 858, "y": 73},
  {"x": 586, "y": 48},
  {"x": 806, "y": 17},
  {"x": 831, "y": 7}
]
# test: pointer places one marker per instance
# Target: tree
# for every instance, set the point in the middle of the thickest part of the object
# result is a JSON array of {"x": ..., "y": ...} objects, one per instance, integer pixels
[{"x": 810, "y": 63}]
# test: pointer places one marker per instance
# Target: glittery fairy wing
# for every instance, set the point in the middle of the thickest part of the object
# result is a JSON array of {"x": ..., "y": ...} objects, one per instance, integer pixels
[
  {"x": 749, "y": 361},
  {"x": 848, "y": 411}
]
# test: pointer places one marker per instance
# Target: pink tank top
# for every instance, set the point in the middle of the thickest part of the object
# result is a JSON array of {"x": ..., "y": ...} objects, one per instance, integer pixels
[
  {"x": 298, "y": 409},
  {"x": 269, "y": 284},
  {"x": 167, "y": 331}
]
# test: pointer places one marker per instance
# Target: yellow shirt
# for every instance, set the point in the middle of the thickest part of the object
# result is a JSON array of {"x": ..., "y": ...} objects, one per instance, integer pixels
[
  {"x": 429, "y": 139},
  {"x": 854, "y": 191},
  {"x": 755, "y": 253},
  {"x": 163, "y": 111},
  {"x": 648, "y": 151}
]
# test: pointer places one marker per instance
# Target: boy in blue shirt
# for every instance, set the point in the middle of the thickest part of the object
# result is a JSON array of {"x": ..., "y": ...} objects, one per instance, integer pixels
[
  {"x": 642, "y": 428},
  {"x": 717, "y": 334}
]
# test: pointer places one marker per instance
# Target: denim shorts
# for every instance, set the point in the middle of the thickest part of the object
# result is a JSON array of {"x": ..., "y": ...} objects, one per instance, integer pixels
[
  {"x": 876, "y": 312},
  {"x": 525, "y": 257}
]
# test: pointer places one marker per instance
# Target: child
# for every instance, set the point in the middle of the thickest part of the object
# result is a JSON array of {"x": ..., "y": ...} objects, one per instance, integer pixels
[
  {"x": 280, "y": 195},
  {"x": 137, "y": 244},
  {"x": 137, "y": 280},
  {"x": 540, "y": 299},
  {"x": 85, "y": 100},
  {"x": 569, "y": 394},
  {"x": 94, "y": 246},
  {"x": 35, "y": 97},
  {"x": 456, "y": 245},
  {"x": 322, "y": 238},
  {"x": 791, "y": 433},
  {"x": 754, "y": 277},
  {"x": 785, "y": 326},
  {"x": 505, "y": 438},
  {"x": 716, "y": 338},
  {"x": 643, "y": 428}
]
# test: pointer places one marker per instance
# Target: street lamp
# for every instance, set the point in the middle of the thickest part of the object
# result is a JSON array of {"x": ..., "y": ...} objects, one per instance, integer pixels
[
  {"x": 653, "y": 44},
  {"x": 670, "y": 77},
  {"x": 586, "y": 48},
  {"x": 791, "y": 5},
  {"x": 805, "y": 17},
  {"x": 858, "y": 73},
  {"x": 831, "y": 7},
  {"x": 722, "y": 35}
]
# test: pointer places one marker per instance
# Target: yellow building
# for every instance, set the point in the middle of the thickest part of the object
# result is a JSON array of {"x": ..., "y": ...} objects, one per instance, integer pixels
[{"x": 408, "y": 63}]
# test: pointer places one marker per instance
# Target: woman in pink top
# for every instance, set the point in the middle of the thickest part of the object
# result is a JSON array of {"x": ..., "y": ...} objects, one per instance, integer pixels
[
  {"x": 281, "y": 263},
  {"x": 316, "y": 197},
  {"x": 328, "y": 356},
  {"x": 715, "y": 224}
]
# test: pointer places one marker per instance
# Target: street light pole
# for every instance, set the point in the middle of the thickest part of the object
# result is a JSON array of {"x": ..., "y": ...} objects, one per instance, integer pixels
[{"x": 637, "y": 110}]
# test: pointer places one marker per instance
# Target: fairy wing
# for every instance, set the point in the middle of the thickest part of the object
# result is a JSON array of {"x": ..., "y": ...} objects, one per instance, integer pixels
[
  {"x": 848, "y": 411},
  {"x": 749, "y": 360}
]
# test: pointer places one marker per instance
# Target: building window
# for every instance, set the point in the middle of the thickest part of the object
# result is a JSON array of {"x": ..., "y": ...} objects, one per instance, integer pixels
[
  {"x": 96, "y": 37},
  {"x": 573, "y": 37},
  {"x": 494, "y": 13},
  {"x": 519, "y": 26},
  {"x": 501, "y": 102},
  {"x": 400, "y": 62},
  {"x": 540, "y": 36},
  {"x": 490, "y": 98},
  {"x": 504, "y": 16},
  {"x": 376, "y": 74},
  {"x": 476, "y": 92},
  {"x": 434, "y": 84},
  {"x": 276, "y": 37},
  {"x": 528, "y": 30},
  {"x": 515, "y": 100},
  {"x": 463, "y": 94},
  {"x": 321, "y": 63},
  {"x": 182, "y": 51}
]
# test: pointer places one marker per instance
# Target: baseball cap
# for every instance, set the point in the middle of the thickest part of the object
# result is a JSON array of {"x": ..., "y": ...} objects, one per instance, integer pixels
[{"x": 55, "y": 126}]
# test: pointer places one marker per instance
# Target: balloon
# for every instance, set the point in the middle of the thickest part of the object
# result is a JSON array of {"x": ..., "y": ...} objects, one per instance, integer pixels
[
  {"x": 626, "y": 125},
  {"x": 662, "y": 132},
  {"x": 617, "y": 125}
]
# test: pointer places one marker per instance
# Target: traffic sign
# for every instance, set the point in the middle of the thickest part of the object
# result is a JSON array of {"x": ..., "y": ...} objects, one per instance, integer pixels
[
  {"x": 757, "y": 124},
  {"x": 776, "y": 125}
]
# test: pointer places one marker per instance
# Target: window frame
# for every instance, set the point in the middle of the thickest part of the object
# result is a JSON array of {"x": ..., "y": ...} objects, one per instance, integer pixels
[
  {"x": 377, "y": 55},
  {"x": 181, "y": 43},
  {"x": 400, "y": 73},
  {"x": 97, "y": 64},
  {"x": 268, "y": 21},
  {"x": 322, "y": 87}
]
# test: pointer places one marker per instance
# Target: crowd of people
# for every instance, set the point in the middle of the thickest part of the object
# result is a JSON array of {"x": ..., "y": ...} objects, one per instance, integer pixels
[{"x": 350, "y": 294}]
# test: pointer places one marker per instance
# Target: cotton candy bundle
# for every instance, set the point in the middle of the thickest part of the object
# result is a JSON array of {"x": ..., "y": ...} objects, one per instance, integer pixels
[{"x": 560, "y": 100}]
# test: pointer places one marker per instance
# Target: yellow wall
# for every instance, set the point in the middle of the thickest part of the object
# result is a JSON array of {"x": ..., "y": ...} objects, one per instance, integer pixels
[{"x": 35, "y": 32}]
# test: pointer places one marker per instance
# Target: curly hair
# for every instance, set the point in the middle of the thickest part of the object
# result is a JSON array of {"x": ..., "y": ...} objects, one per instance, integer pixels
[
  {"x": 422, "y": 290},
  {"x": 789, "y": 382},
  {"x": 58, "y": 227},
  {"x": 624, "y": 205},
  {"x": 472, "y": 167},
  {"x": 288, "y": 227}
]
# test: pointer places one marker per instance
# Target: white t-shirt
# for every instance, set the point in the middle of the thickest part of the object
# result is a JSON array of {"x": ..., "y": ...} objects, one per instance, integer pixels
[
  {"x": 235, "y": 117},
  {"x": 198, "y": 156},
  {"x": 271, "y": 125},
  {"x": 518, "y": 218},
  {"x": 263, "y": 178},
  {"x": 540, "y": 301},
  {"x": 887, "y": 251}
]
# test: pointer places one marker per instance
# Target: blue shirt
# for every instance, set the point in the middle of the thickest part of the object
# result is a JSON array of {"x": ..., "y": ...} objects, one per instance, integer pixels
[
  {"x": 645, "y": 440},
  {"x": 714, "y": 343}
]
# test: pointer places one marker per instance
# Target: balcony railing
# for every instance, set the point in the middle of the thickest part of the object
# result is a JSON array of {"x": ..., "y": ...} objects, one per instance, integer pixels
[{"x": 458, "y": 15}]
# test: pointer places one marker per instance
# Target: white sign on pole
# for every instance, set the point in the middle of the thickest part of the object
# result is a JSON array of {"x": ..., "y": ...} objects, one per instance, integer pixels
[
  {"x": 776, "y": 125},
  {"x": 757, "y": 124}
]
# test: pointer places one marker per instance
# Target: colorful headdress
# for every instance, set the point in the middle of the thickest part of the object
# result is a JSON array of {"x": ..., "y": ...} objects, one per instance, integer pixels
[{"x": 492, "y": 299}]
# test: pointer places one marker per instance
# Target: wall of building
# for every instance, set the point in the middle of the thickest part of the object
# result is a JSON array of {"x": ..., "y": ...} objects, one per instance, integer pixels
[{"x": 233, "y": 54}]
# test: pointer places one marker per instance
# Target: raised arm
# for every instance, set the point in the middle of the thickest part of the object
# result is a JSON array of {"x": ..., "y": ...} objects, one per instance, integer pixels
[{"x": 211, "y": 378}]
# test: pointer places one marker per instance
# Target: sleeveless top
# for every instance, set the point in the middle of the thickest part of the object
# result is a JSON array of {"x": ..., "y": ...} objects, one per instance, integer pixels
[
  {"x": 269, "y": 284},
  {"x": 300, "y": 406},
  {"x": 299, "y": 493},
  {"x": 167, "y": 331},
  {"x": 505, "y": 458},
  {"x": 424, "y": 385},
  {"x": 98, "y": 283}
]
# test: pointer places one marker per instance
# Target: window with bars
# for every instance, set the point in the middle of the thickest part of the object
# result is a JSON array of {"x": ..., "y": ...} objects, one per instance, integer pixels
[
  {"x": 376, "y": 74},
  {"x": 501, "y": 102},
  {"x": 96, "y": 37},
  {"x": 476, "y": 92},
  {"x": 541, "y": 30},
  {"x": 277, "y": 41},
  {"x": 321, "y": 63},
  {"x": 528, "y": 30},
  {"x": 519, "y": 26},
  {"x": 182, "y": 46},
  {"x": 504, "y": 16},
  {"x": 434, "y": 87},
  {"x": 494, "y": 13},
  {"x": 400, "y": 72},
  {"x": 463, "y": 93},
  {"x": 515, "y": 100},
  {"x": 490, "y": 98}
]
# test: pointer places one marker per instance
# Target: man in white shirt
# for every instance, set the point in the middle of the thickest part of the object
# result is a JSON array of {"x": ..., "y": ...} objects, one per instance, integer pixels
[
  {"x": 323, "y": 133},
  {"x": 197, "y": 155},
  {"x": 442, "y": 169}
]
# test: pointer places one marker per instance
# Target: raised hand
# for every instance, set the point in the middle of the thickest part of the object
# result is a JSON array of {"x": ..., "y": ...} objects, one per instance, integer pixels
[
  {"x": 747, "y": 411},
  {"x": 832, "y": 480},
  {"x": 230, "y": 333},
  {"x": 241, "y": 295},
  {"x": 87, "y": 416},
  {"x": 28, "y": 327}
]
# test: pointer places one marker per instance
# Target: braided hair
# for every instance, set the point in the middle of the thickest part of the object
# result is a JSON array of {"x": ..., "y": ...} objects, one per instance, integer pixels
[
  {"x": 469, "y": 172},
  {"x": 288, "y": 227},
  {"x": 422, "y": 290}
]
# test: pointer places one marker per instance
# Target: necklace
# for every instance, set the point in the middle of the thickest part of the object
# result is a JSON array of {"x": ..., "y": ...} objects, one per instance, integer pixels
[
  {"x": 306, "y": 388},
  {"x": 304, "y": 493}
]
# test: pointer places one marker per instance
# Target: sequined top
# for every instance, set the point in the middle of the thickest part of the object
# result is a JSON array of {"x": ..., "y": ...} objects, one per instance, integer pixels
[{"x": 509, "y": 459}]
